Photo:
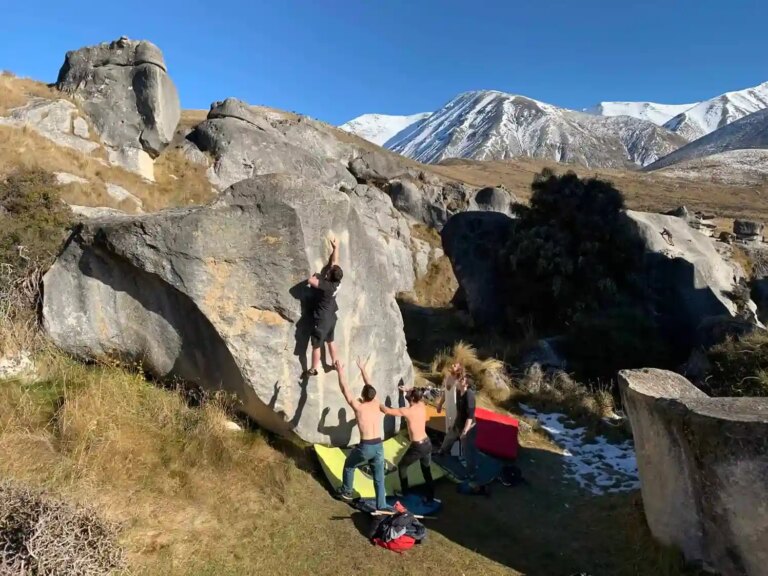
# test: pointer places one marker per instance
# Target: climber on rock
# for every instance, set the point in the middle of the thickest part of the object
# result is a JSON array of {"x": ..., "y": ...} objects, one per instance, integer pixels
[{"x": 326, "y": 285}]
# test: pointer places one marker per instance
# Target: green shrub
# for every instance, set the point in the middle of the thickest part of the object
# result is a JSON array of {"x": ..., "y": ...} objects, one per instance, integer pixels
[
  {"x": 601, "y": 344},
  {"x": 739, "y": 367},
  {"x": 571, "y": 254},
  {"x": 33, "y": 224}
]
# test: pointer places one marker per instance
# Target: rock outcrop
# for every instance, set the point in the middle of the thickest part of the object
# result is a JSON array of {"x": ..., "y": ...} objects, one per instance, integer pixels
[
  {"x": 125, "y": 90},
  {"x": 473, "y": 242},
  {"x": 430, "y": 201},
  {"x": 492, "y": 199},
  {"x": 703, "y": 466},
  {"x": 217, "y": 296},
  {"x": 390, "y": 232},
  {"x": 748, "y": 231},
  {"x": 57, "y": 120},
  {"x": 687, "y": 281},
  {"x": 247, "y": 141}
]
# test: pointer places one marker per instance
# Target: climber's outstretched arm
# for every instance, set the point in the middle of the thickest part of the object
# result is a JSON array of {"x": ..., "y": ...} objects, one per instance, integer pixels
[{"x": 334, "y": 259}]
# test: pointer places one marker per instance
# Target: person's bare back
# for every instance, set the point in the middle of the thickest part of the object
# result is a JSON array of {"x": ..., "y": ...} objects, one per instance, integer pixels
[
  {"x": 369, "y": 419},
  {"x": 416, "y": 418}
]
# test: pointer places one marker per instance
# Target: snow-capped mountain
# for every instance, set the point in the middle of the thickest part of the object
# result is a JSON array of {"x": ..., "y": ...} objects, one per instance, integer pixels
[
  {"x": 491, "y": 125},
  {"x": 708, "y": 116},
  {"x": 378, "y": 128},
  {"x": 651, "y": 111},
  {"x": 746, "y": 133}
]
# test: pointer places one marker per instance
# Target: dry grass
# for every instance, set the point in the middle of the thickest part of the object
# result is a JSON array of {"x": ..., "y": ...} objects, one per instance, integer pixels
[
  {"x": 487, "y": 374},
  {"x": 172, "y": 472},
  {"x": 42, "y": 535},
  {"x": 651, "y": 192},
  {"x": 15, "y": 91},
  {"x": 178, "y": 181}
]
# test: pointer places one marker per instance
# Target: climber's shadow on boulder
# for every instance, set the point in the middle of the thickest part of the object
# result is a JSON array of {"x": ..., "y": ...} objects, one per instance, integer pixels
[{"x": 341, "y": 433}]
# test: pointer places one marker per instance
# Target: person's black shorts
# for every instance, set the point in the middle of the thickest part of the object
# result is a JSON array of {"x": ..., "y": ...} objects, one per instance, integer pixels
[{"x": 323, "y": 330}]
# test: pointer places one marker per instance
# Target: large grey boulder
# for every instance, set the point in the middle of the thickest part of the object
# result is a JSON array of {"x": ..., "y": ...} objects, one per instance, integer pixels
[
  {"x": 217, "y": 296},
  {"x": 390, "y": 232},
  {"x": 703, "y": 466},
  {"x": 429, "y": 201},
  {"x": 748, "y": 231},
  {"x": 686, "y": 279},
  {"x": 125, "y": 90},
  {"x": 493, "y": 199},
  {"x": 473, "y": 241},
  {"x": 247, "y": 141}
]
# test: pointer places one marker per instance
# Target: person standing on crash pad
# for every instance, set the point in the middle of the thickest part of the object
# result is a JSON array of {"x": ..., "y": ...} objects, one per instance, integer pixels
[
  {"x": 370, "y": 450},
  {"x": 326, "y": 285},
  {"x": 463, "y": 428},
  {"x": 420, "y": 448}
]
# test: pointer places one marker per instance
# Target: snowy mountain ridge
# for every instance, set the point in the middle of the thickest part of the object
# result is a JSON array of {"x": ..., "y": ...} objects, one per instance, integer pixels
[
  {"x": 379, "y": 128},
  {"x": 708, "y": 116},
  {"x": 654, "y": 112},
  {"x": 493, "y": 125}
]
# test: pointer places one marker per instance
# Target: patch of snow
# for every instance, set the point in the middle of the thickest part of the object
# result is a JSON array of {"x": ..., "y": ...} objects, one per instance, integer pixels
[
  {"x": 599, "y": 466},
  {"x": 735, "y": 167},
  {"x": 659, "y": 114},
  {"x": 379, "y": 128}
]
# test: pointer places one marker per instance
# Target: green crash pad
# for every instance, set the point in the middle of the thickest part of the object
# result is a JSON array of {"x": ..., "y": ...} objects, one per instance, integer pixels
[{"x": 332, "y": 461}]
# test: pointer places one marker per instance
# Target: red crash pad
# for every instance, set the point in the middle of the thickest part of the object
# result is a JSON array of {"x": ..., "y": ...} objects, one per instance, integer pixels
[{"x": 496, "y": 434}]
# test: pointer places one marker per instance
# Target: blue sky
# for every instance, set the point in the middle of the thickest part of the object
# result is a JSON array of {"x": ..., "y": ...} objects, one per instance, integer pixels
[{"x": 337, "y": 59}]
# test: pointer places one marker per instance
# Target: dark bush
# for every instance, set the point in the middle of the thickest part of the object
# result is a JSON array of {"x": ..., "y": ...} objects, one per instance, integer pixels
[
  {"x": 739, "y": 366},
  {"x": 572, "y": 254},
  {"x": 33, "y": 224},
  {"x": 602, "y": 343}
]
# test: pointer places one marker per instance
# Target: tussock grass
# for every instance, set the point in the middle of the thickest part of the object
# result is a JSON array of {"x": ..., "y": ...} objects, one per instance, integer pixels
[
  {"x": 739, "y": 366},
  {"x": 487, "y": 374},
  {"x": 15, "y": 91},
  {"x": 104, "y": 435},
  {"x": 179, "y": 182},
  {"x": 557, "y": 391}
]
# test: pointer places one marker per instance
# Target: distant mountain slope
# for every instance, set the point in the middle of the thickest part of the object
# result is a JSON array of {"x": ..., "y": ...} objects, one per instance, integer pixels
[
  {"x": 378, "y": 128},
  {"x": 735, "y": 167},
  {"x": 708, "y": 116},
  {"x": 491, "y": 125},
  {"x": 650, "y": 111},
  {"x": 747, "y": 133}
]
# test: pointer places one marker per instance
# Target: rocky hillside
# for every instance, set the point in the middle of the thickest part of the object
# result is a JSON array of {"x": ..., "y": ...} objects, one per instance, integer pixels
[
  {"x": 749, "y": 132},
  {"x": 489, "y": 125},
  {"x": 712, "y": 114}
]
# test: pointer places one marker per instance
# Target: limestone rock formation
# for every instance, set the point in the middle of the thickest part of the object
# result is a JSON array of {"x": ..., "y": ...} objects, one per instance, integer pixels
[
  {"x": 125, "y": 90},
  {"x": 247, "y": 141},
  {"x": 687, "y": 280},
  {"x": 389, "y": 231},
  {"x": 217, "y": 296},
  {"x": 493, "y": 199},
  {"x": 473, "y": 242},
  {"x": 430, "y": 201},
  {"x": 748, "y": 231},
  {"x": 703, "y": 466},
  {"x": 57, "y": 120}
]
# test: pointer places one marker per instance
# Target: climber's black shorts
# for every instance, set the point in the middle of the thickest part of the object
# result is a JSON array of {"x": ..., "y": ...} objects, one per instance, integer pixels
[{"x": 323, "y": 330}]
